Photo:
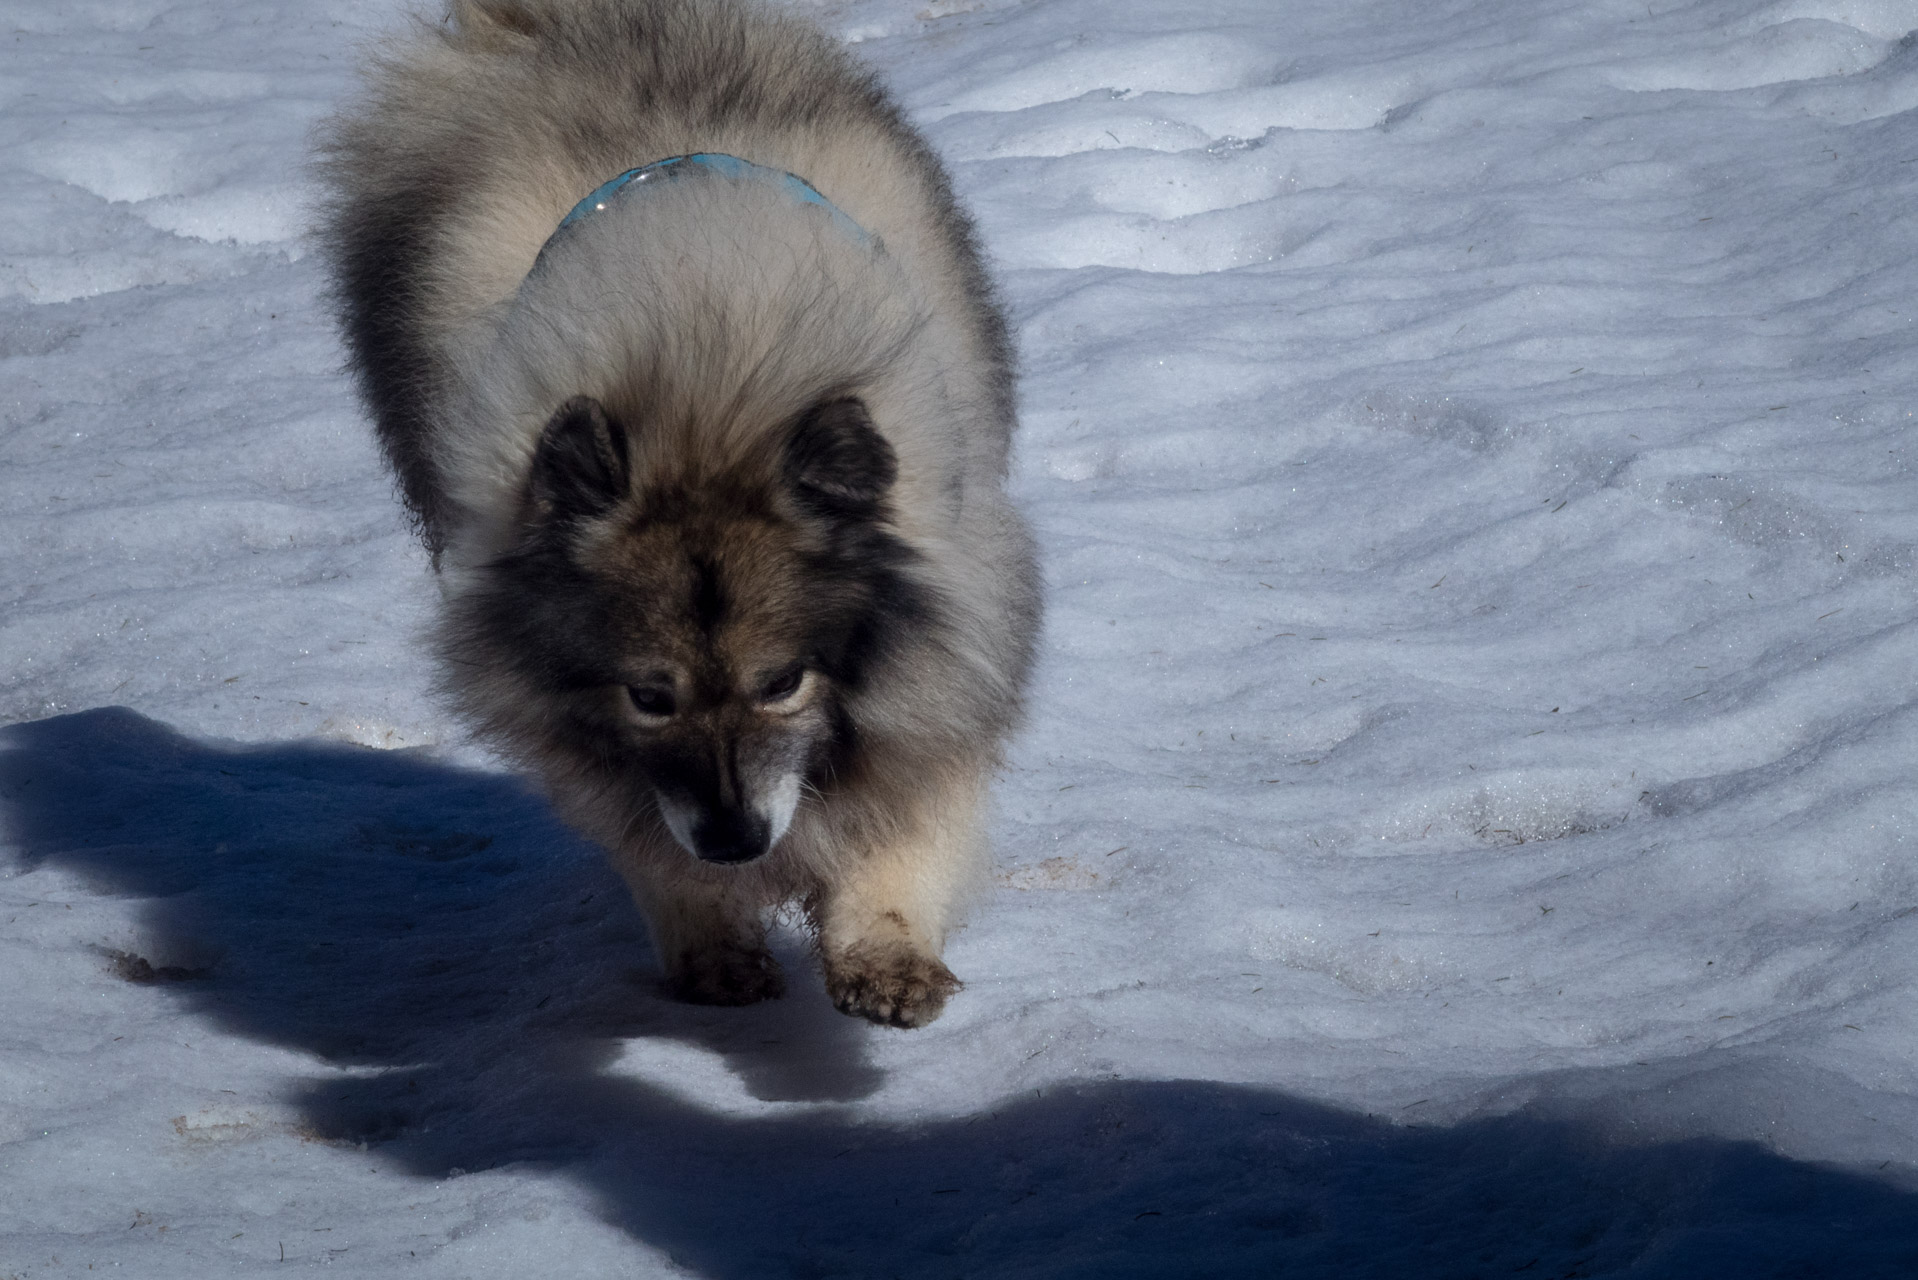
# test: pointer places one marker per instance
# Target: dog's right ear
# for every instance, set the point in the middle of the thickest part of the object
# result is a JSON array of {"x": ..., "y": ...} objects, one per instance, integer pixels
[
  {"x": 837, "y": 460},
  {"x": 580, "y": 468}
]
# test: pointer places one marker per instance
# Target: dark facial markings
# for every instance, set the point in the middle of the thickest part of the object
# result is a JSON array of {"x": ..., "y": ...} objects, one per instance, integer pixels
[{"x": 709, "y": 602}]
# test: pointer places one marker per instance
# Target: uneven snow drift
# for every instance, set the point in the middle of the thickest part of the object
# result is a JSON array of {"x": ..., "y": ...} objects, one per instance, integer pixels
[{"x": 1466, "y": 820}]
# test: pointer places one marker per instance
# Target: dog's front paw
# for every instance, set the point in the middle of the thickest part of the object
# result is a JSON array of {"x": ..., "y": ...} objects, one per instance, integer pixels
[
  {"x": 894, "y": 986},
  {"x": 726, "y": 975}
]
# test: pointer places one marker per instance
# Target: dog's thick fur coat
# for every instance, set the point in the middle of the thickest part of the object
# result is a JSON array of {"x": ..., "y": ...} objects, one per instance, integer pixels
[{"x": 716, "y": 489}]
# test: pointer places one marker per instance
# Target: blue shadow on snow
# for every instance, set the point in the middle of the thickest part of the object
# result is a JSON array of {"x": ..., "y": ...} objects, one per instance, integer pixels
[{"x": 438, "y": 926}]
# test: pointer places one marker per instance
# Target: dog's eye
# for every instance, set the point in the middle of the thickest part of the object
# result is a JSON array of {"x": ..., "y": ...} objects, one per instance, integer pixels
[
  {"x": 784, "y": 685},
  {"x": 652, "y": 701}
]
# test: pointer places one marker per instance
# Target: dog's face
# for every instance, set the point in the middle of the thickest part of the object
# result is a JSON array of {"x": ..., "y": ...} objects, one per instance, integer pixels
[
  {"x": 723, "y": 699},
  {"x": 706, "y": 636}
]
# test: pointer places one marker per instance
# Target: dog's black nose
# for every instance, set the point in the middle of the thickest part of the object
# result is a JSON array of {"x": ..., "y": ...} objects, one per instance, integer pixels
[{"x": 729, "y": 837}]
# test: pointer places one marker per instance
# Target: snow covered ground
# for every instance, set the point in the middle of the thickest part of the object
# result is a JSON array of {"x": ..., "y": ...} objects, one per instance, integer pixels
[{"x": 1466, "y": 821}]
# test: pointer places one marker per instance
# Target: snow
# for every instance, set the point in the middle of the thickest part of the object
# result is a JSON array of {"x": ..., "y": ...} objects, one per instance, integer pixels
[{"x": 1465, "y": 820}]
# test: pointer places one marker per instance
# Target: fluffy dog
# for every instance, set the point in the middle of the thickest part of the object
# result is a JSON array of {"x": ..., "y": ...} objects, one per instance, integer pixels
[{"x": 684, "y": 358}]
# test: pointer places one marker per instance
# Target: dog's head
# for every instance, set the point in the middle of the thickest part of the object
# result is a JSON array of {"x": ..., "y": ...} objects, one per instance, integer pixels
[{"x": 704, "y": 629}]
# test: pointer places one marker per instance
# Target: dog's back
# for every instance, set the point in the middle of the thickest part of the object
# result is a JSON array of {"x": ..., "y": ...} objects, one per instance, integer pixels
[{"x": 478, "y": 135}]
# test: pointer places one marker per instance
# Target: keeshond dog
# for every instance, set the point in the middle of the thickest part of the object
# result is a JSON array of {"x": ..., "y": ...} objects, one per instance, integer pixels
[{"x": 683, "y": 355}]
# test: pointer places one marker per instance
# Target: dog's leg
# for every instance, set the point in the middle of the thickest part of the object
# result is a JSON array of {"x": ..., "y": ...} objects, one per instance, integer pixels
[
  {"x": 710, "y": 939},
  {"x": 882, "y": 926}
]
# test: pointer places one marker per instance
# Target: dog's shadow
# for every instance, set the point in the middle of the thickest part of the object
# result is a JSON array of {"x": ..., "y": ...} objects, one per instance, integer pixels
[
  {"x": 437, "y": 929},
  {"x": 373, "y": 907}
]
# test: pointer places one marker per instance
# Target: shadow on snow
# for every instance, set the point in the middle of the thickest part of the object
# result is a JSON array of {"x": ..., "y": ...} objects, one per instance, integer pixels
[{"x": 438, "y": 926}]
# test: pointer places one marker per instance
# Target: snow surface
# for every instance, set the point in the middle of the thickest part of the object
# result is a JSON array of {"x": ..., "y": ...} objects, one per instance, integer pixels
[{"x": 1465, "y": 824}]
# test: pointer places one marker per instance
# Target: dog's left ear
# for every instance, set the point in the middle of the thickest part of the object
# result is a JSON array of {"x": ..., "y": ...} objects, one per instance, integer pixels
[
  {"x": 838, "y": 461},
  {"x": 580, "y": 468}
]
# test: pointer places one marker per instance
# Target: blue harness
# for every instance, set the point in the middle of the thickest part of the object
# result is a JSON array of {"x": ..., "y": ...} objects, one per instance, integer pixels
[{"x": 678, "y": 168}]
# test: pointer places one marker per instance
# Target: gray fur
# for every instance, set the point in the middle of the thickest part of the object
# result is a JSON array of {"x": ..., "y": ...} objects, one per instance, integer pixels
[{"x": 710, "y": 439}]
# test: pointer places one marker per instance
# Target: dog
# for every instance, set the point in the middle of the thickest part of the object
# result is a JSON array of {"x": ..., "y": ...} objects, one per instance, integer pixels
[{"x": 684, "y": 358}]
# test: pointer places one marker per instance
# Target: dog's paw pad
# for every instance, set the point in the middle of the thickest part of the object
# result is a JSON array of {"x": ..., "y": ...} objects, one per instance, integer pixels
[
  {"x": 727, "y": 975},
  {"x": 895, "y": 987}
]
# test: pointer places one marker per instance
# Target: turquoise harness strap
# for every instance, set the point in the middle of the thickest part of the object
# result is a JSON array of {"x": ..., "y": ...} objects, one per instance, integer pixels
[{"x": 677, "y": 168}]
